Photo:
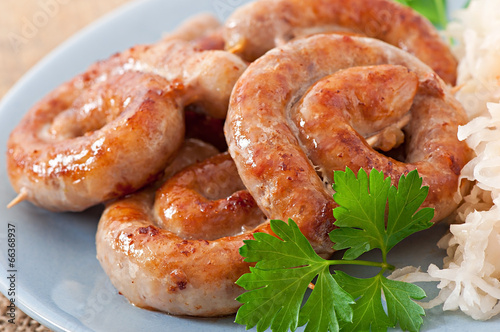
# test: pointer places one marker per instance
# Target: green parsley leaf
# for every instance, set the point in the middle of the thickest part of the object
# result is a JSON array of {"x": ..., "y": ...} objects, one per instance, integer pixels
[
  {"x": 433, "y": 10},
  {"x": 371, "y": 214},
  {"x": 280, "y": 279},
  {"x": 317, "y": 312},
  {"x": 404, "y": 201},
  {"x": 361, "y": 212},
  {"x": 368, "y": 310},
  {"x": 270, "y": 252}
]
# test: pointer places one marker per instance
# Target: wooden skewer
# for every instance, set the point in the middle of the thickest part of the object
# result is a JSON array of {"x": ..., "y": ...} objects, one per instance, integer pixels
[
  {"x": 457, "y": 88},
  {"x": 374, "y": 139},
  {"x": 238, "y": 47},
  {"x": 23, "y": 195}
]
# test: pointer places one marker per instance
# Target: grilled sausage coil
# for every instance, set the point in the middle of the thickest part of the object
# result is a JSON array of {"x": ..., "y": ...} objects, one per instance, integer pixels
[{"x": 280, "y": 139}]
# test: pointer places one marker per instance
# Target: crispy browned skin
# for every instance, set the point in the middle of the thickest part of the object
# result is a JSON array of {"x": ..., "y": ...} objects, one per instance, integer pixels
[
  {"x": 207, "y": 201},
  {"x": 369, "y": 98},
  {"x": 155, "y": 268},
  {"x": 112, "y": 129},
  {"x": 80, "y": 164},
  {"x": 273, "y": 152},
  {"x": 258, "y": 27}
]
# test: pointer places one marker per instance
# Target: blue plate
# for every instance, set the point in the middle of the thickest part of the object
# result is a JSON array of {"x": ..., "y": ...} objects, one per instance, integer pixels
[{"x": 58, "y": 279}]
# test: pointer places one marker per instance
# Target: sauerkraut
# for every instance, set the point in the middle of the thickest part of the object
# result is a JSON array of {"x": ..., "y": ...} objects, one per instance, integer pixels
[{"x": 475, "y": 34}]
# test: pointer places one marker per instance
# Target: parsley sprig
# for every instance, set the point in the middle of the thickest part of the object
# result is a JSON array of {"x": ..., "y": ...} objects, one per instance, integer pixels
[
  {"x": 434, "y": 10},
  {"x": 372, "y": 214}
]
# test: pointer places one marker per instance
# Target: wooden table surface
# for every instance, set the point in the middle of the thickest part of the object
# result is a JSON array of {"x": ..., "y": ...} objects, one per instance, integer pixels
[{"x": 29, "y": 30}]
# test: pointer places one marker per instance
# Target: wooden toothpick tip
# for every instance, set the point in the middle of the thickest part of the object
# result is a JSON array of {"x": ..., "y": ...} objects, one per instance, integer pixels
[
  {"x": 457, "y": 88},
  {"x": 22, "y": 196}
]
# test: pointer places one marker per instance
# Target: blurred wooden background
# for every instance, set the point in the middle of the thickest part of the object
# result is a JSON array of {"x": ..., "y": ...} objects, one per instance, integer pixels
[{"x": 29, "y": 30}]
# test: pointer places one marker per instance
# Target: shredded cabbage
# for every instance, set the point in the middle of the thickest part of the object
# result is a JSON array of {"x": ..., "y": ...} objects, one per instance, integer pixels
[{"x": 475, "y": 32}]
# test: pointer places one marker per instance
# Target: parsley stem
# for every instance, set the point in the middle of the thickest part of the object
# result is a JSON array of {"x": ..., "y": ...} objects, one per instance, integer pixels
[{"x": 383, "y": 265}]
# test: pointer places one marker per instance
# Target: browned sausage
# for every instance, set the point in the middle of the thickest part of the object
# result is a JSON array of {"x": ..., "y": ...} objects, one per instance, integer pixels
[
  {"x": 259, "y": 26},
  {"x": 110, "y": 130},
  {"x": 278, "y": 152},
  {"x": 155, "y": 268},
  {"x": 207, "y": 201}
]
